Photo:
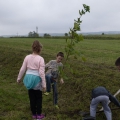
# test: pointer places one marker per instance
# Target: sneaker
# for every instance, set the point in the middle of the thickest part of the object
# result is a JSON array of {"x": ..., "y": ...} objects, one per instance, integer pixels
[
  {"x": 46, "y": 93},
  {"x": 56, "y": 106},
  {"x": 39, "y": 117},
  {"x": 34, "y": 116}
]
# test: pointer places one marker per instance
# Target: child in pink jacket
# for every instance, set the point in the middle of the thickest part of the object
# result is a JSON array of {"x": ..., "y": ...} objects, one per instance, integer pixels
[{"x": 34, "y": 68}]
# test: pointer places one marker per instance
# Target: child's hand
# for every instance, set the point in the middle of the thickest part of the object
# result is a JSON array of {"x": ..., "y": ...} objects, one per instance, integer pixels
[
  {"x": 44, "y": 89},
  {"x": 18, "y": 81},
  {"x": 61, "y": 81}
]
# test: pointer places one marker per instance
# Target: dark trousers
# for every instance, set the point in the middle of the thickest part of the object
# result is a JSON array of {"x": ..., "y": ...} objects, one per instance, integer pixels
[
  {"x": 49, "y": 82},
  {"x": 35, "y": 97}
]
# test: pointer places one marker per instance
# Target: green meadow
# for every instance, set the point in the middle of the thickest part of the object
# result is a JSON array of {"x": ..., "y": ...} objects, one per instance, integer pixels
[{"x": 75, "y": 94}]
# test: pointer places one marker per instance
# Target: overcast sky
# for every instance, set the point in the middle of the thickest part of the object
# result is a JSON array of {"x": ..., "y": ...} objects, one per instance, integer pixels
[{"x": 57, "y": 16}]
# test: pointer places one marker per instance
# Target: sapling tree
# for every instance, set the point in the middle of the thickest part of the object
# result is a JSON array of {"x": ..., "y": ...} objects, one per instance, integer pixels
[{"x": 74, "y": 38}]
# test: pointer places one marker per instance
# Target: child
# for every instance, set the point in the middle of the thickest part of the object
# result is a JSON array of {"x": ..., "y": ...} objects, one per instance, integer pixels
[
  {"x": 34, "y": 79},
  {"x": 52, "y": 76},
  {"x": 101, "y": 95}
]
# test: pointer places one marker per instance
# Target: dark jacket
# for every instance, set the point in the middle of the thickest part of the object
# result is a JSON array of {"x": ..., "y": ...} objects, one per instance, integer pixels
[
  {"x": 103, "y": 91},
  {"x": 99, "y": 91}
]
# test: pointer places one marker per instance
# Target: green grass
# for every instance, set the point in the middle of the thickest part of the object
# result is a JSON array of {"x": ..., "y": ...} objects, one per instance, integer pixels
[{"x": 75, "y": 94}]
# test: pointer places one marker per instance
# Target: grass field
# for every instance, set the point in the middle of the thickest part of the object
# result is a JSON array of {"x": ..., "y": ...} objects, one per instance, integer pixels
[{"x": 75, "y": 94}]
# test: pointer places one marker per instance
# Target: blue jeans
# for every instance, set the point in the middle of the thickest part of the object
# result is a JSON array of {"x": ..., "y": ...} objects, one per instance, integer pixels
[
  {"x": 104, "y": 100},
  {"x": 50, "y": 82}
]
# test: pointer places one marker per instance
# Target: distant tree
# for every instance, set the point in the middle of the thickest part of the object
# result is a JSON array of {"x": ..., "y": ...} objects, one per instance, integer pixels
[
  {"x": 33, "y": 34},
  {"x": 102, "y": 33},
  {"x": 30, "y": 34},
  {"x": 47, "y": 35},
  {"x": 66, "y": 34}
]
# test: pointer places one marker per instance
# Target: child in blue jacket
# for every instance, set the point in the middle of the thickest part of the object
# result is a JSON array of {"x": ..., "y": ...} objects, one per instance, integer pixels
[{"x": 102, "y": 95}]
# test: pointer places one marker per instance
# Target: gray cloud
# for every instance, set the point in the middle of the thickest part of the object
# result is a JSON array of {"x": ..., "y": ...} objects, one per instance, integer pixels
[{"x": 54, "y": 16}]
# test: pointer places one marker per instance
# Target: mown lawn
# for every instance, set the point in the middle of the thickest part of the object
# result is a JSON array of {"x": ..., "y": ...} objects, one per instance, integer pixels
[{"x": 75, "y": 94}]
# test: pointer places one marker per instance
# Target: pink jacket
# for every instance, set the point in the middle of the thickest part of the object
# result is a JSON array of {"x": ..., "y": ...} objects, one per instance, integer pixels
[{"x": 33, "y": 62}]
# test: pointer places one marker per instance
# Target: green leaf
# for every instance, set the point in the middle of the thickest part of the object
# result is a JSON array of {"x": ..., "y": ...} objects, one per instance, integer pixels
[
  {"x": 80, "y": 13},
  {"x": 87, "y": 8},
  {"x": 83, "y": 12}
]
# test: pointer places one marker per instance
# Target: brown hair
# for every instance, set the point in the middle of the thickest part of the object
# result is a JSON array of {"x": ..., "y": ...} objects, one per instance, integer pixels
[
  {"x": 36, "y": 46},
  {"x": 60, "y": 54}
]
